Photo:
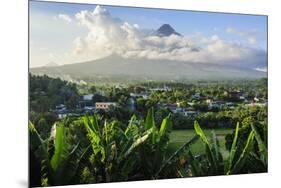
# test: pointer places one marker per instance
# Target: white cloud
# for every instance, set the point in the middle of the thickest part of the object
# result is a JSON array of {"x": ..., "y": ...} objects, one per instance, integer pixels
[
  {"x": 65, "y": 18},
  {"x": 250, "y": 35},
  {"x": 261, "y": 69},
  {"x": 108, "y": 35}
]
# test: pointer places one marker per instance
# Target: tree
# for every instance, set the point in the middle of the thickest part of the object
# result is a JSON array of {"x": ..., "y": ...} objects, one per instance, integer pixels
[{"x": 93, "y": 89}]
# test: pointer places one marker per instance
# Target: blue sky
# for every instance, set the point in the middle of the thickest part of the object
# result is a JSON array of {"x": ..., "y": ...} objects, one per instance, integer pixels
[
  {"x": 184, "y": 22},
  {"x": 247, "y": 30}
]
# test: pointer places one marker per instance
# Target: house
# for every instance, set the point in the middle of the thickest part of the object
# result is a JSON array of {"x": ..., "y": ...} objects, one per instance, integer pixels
[
  {"x": 231, "y": 105},
  {"x": 190, "y": 113},
  {"x": 89, "y": 108},
  {"x": 234, "y": 94},
  {"x": 87, "y": 97},
  {"x": 143, "y": 95},
  {"x": 165, "y": 88},
  {"x": 216, "y": 104},
  {"x": 197, "y": 96},
  {"x": 104, "y": 105},
  {"x": 61, "y": 108},
  {"x": 86, "y": 102}
]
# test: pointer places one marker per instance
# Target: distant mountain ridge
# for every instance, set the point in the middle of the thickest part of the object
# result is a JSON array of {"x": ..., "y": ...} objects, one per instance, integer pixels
[{"x": 118, "y": 68}]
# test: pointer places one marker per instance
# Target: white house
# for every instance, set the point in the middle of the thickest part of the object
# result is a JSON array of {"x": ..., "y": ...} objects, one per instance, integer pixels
[
  {"x": 88, "y": 97},
  {"x": 104, "y": 105},
  {"x": 190, "y": 113}
]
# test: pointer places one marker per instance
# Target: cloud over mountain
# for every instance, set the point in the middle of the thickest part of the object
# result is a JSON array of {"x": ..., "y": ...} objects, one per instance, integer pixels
[{"x": 108, "y": 35}]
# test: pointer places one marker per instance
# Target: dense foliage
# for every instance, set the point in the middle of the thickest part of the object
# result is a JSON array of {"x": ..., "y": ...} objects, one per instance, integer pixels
[
  {"x": 91, "y": 150},
  {"x": 46, "y": 92}
]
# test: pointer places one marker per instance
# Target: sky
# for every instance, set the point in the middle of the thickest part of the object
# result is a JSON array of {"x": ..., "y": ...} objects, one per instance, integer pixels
[{"x": 66, "y": 33}]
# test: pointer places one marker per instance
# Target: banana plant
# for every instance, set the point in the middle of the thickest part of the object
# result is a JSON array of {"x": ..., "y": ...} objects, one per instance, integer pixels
[
  {"x": 153, "y": 153},
  {"x": 213, "y": 156},
  {"x": 172, "y": 159},
  {"x": 58, "y": 159},
  {"x": 258, "y": 159},
  {"x": 234, "y": 167},
  {"x": 114, "y": 150},
  {"x": 261, "y": 145},
  {"x": 212, "y": 163}
]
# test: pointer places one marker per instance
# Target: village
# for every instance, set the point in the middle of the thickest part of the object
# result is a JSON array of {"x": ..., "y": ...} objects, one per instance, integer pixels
[{"x": 87, "y": 105}]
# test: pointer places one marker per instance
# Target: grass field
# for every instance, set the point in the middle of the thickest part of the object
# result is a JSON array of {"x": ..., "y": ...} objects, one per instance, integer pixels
[{"x": 179, "y": 137}]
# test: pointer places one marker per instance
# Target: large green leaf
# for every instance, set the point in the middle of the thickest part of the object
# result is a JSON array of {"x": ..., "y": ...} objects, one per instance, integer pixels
[
  {"x": 35, "y": 138},
  {"x": 200, "y": 133},
  {"x": 209, "y": 152},
  {"x": 39, "y": 148},
  {"x": 132, "y": 129},
  {"x": 135, "y": 144},
  {"x": 243, "y": 156},
  {"x": 68, "y": 168},
  {"x": 261, "y": 144},
  {"x": 92, "y": 123},
  {"x": 94, "y": 135},
  {"x": 60, "y": 147},
  {"x": 233, "y": 149},
  {"x": 211, "y": 159},
  {"x": 165, "y": 126},
  {"x": 149, "y": 121}
]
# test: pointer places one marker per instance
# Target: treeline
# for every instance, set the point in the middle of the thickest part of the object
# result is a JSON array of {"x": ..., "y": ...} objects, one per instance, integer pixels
[
  {"x": 222, "y": 119},
  {"x": 46, "y": 92}
]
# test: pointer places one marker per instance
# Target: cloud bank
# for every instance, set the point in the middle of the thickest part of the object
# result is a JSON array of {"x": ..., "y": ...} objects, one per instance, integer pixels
[{"x": 108, "y": 35}]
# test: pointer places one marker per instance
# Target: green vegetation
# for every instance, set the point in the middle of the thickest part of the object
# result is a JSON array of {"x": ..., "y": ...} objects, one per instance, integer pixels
[
  {"x": 154, "y": 130},
  {"x": 138, "y": 152},
  {"x": 244, "y": 160},
  {"x": 46, "y": 93}
]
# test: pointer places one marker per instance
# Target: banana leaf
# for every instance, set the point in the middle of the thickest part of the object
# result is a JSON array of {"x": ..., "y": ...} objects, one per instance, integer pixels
[
  {"x": 208, "y": 149},
  {"x": 243, "y": 156},
  {"x": 261, "y": 144},
  {"x": 232, "y": 150},
  {"x": 60, "y": 147}
]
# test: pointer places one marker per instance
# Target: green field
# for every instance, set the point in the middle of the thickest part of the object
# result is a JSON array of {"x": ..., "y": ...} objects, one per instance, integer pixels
[{"x": 179, "y": 137}]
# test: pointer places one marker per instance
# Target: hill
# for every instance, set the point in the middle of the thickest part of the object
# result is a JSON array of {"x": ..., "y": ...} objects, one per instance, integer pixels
[{"x": 121, "y": 69}]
